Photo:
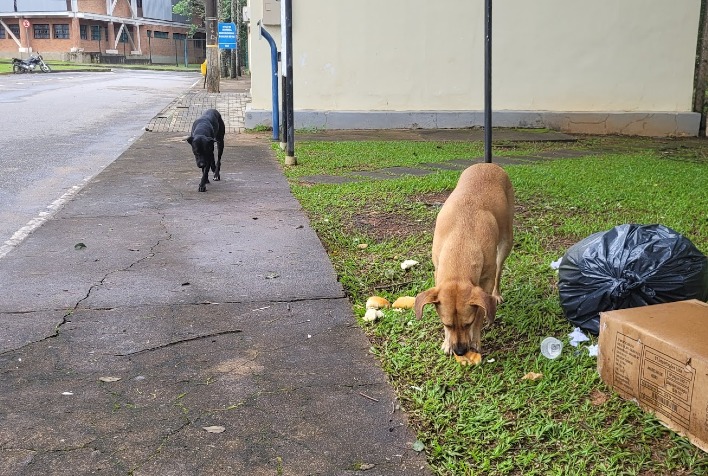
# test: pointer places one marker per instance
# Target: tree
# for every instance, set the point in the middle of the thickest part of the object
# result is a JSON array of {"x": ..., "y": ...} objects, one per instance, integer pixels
[{"x": 227, "y": 10}]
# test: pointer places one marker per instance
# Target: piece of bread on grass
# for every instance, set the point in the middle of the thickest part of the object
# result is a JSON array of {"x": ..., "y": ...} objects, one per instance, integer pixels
[
  {"x": 377, "y": 302},
  {"x": 470, "y": 358}
]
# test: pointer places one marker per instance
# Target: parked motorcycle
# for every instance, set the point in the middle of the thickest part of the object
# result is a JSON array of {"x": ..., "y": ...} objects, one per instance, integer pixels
[{"x": 29, "y": 65}]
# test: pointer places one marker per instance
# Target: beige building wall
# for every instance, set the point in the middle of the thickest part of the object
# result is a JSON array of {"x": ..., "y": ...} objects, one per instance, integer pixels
[{"x": 615, "y": 66}]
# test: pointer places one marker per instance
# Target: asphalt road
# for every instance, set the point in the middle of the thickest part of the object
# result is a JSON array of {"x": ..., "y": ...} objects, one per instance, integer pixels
[{"x": 61, "y": 129}]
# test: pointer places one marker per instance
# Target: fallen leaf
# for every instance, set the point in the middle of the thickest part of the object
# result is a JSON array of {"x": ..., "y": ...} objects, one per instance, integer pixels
[
  {"x": 214, "y": 429},
  {"x": 532, "y": 376},
  {"x": 272, "y": 275},
  {"x": 598, "y": 398},
  {"x": 109, "y": 379},
  {"x": 418, "y": 446},
  {"x": 365, "y": 466},
  {"x": 79, "y": 246},
  {"x": 362, "y": 246}
]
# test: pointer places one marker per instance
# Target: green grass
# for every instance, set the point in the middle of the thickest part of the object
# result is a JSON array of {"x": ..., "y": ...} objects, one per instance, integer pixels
[
  {"x": 486, "y": 419},
  {"x": 6, "y": 66}
]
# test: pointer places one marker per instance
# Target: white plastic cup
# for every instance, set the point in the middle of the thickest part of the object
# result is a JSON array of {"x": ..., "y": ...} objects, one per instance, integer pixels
[{"x": 551, "y": 348}]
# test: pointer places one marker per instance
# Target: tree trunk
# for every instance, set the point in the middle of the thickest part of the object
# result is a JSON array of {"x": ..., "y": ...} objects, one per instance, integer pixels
[{"x": 212, "y": 47}]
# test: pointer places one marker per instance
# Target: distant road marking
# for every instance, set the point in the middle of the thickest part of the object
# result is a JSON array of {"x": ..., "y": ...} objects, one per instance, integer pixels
[{"x": 19, "y": 236}]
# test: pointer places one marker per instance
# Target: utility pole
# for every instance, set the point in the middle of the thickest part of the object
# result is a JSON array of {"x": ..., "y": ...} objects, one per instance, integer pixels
[
  {"x": 290, "y": 158},
  {"x": 488, "y": 81},
  {"x": 701, "y": 75},
  {"x": 212, "y": 47}
]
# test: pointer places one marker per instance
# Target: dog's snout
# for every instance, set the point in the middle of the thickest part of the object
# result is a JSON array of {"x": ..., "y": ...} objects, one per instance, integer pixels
[{"x": 460, "y": 349}]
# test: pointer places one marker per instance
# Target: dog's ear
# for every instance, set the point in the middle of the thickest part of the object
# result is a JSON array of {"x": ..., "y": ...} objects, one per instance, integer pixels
[
  {"x": 426, "y": 297},
  {"x": 486, "y": 302},
  {"x": 189, "y": 139}
]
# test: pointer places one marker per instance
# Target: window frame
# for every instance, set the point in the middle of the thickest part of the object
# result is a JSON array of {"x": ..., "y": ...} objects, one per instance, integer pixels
[
  {"x": 42, "y": 28},
  {"x": 61, "y": 29}
]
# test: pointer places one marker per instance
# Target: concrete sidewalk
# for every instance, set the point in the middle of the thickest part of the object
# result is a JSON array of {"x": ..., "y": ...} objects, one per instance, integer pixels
[{"x": 149, "y": 329}]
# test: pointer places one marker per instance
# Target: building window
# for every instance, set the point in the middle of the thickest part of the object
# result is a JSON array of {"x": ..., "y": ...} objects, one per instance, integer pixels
[
  {"x": 15, "y": 29},
  {"x": 2, "y": 32},
  {"x": 83, "y": 32},
  {"x": 162, "y": 34},
  {"x": 123, "y": 36},
  {"x": 61, "y": 31},
  {"x": 96, "y": 32},
  {"x": 179, "y": 36},
  {"x": 41, "y": 31},
  {"x": 139, "y": 4}
]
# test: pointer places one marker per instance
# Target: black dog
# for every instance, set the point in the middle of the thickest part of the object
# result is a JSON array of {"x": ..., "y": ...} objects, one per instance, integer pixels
[{"x": 206, "y": 130}]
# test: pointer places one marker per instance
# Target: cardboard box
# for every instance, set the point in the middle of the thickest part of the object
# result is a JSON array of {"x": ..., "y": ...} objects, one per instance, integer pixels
[{"x": 658, "y": 356}]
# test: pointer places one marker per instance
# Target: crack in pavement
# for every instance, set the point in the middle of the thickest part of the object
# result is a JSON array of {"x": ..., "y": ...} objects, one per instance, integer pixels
[
  {"x": 164, "y": 442},
  {"x": 181, "y": 341},
  {"x": 65, "y": 317},
  {"x": 149, "y": 255}
]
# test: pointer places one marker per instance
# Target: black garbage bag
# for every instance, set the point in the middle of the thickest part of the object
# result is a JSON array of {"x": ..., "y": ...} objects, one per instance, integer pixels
[{"x": 629, "y": 266}]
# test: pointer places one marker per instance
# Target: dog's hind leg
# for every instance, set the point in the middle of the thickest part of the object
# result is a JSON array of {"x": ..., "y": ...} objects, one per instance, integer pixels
[{"x": 217, "y": 167}]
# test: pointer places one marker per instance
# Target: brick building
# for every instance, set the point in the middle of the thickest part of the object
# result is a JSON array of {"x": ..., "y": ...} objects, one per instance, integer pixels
[{"x": 107, "y": 31}]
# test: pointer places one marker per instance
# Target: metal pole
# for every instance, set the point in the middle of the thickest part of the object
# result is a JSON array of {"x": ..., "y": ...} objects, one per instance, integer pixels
[
  {"x": 290, "y": 148},
  {"x": 284, "y": 112},
  {"x": 488, "y": 81},
  {"x": 274, "y": 80}
]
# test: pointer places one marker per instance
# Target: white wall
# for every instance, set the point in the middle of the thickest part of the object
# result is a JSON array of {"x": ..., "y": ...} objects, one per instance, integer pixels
[{"x": 603, "y": 56}]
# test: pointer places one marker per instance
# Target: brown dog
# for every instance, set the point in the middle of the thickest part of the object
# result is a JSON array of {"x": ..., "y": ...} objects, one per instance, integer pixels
[{"x": 473, "y": 236}]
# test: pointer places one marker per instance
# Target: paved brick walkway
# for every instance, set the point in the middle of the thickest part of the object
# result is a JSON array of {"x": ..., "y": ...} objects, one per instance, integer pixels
[{"x": 181, "y": 113}]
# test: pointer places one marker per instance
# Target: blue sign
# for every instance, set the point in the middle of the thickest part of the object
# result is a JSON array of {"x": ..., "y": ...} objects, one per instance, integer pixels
[{"x": 227, "y": 36}]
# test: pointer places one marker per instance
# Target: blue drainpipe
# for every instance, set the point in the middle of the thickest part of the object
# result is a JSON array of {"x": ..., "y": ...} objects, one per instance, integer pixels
[{"x": 274, "y": 80}]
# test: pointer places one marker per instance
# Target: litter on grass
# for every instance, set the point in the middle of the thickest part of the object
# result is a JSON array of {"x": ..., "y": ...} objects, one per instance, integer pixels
[
  {"x": 372, "y": 314},
  {"x": 551, "y": 348},
  {"x": 409, "y": 263},
  {"x": 577, "y": 336}
]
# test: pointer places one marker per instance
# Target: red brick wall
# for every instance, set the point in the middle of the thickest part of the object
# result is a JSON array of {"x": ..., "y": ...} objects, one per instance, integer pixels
[
  {"x": 122, "y": 9},
  {"x": 162, "y": 50},
  {"x": 93, "y": 6}
]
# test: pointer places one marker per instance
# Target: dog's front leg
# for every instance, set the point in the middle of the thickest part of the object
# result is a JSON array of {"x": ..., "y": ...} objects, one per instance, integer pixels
[
  {"x": 446, "y": 346},
  {"x": 476, "y": 335},
  {"x": 205, "y": 179}
]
